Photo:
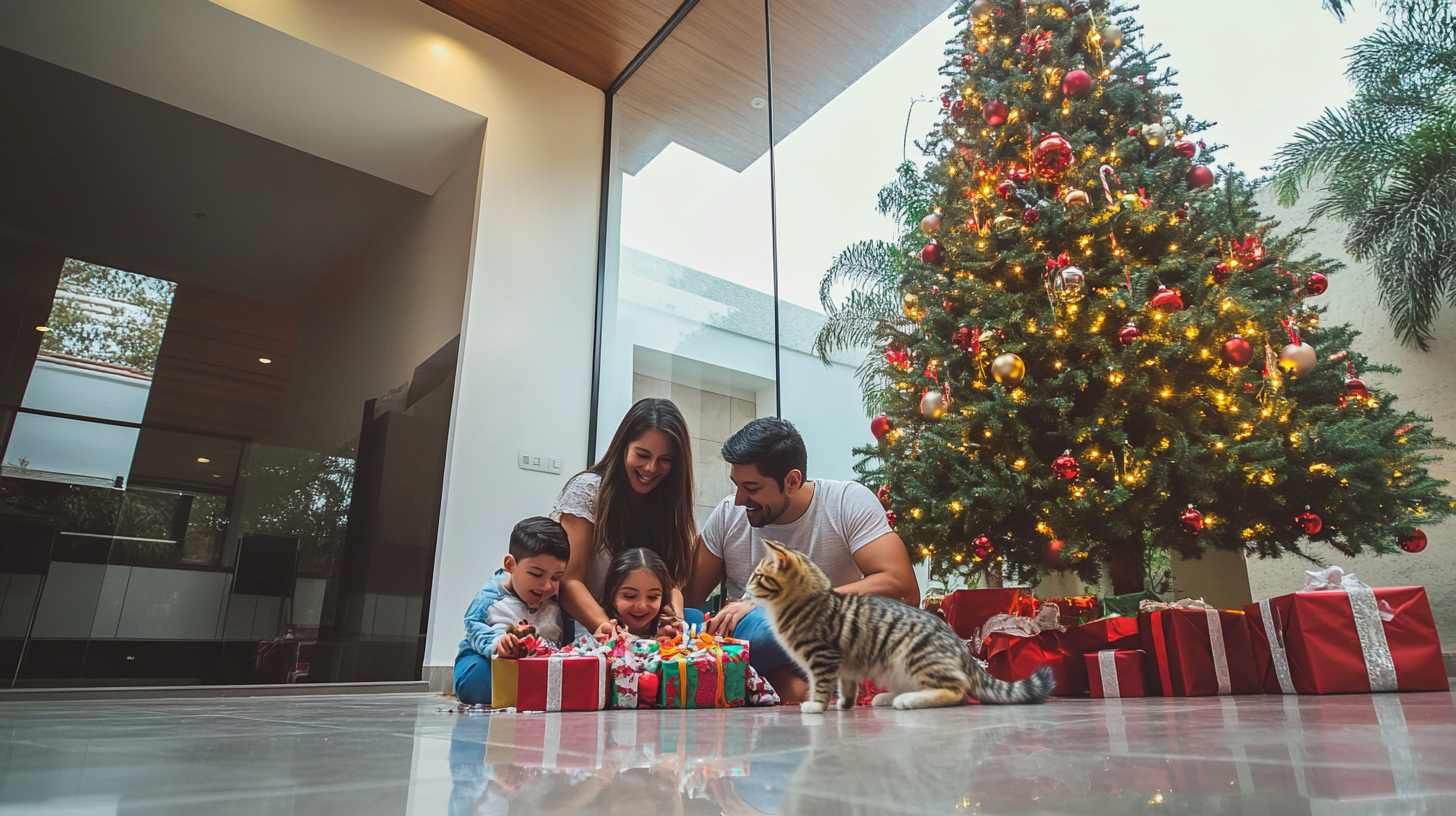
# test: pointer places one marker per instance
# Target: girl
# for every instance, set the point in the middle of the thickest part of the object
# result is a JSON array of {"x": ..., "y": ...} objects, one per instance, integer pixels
[
  {"x": 640, "y": 491},
  {"x": 635, "y": 593}
]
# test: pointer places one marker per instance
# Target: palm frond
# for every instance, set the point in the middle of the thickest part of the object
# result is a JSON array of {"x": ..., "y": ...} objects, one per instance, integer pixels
[
  {"x": 1338, "y": 143},
  {"x": 864, "y": 265}
]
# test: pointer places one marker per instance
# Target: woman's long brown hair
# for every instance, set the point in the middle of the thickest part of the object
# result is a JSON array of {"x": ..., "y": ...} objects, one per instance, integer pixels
[{"x": 663, "y": 522}]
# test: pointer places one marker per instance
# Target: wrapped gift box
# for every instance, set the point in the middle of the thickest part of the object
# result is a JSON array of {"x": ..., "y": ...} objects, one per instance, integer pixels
[
  {"x": 1117, "y": 634},
  {"x": 1114, "y": 673},
  {"x": 1011, "y": 658},
  {"x": 706, "y": 672},
  {"x": 556, "y": 682},
  {"x": 1077, "y": 610},
  {"x": 1198, "y": 652},
  {"x": 634, "y": 678},
  {"x": 1355, "y": 640},
  {"x": 966, "y": 609}
]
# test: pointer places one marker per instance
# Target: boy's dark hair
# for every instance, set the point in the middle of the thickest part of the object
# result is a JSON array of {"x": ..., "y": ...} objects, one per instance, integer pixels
[
  {"x": 539, "y": 535},
  {"x": 772, "y": 444}
]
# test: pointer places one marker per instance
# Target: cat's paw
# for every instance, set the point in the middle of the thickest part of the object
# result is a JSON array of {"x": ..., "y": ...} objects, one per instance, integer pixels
[
  {"x": 846, "y": 703},
  {"x": 811, "y": 707},
  {"x": 884, "y": 699}
]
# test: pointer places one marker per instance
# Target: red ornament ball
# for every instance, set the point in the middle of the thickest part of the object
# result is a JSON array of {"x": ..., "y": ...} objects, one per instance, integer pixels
[
  {"x": 1030, "y": 215},
  {"x": 891, "y": 518},
  {"x": 1200, "y": 178},
  {"x": 884, "y": 494},
  {"x": 1316, "y": 284},
  {"x": 1168, "y": 300},
  {"x": 1237, "y": 352},
  {"x": 1128, "y": 334},
  {"x": 994, "y": 112},
  {"x": 1356, "y": 389},
  {"x": 1006, "y": 189},
  {"x": 1052, "y": 157},
  {"x": 932, "y": 254},
  {"x": 899, "y": 358},
  {"x": 958, "y": 109},
  {"x": 963, "y": 338},
  {"x": 981, "y": 547},
  {"x": 1066, "y": 467},
  {"x": 1413, "y": 543},
  {"x": 1077, "y": 83},
  {"x": 1309, "y": 522},
  {"x": 880, "y": 425},
  {"x": 1186, "y": 149},
  {"x": 1052, "y": 556},
  {"x": 1190, "y": 521}
]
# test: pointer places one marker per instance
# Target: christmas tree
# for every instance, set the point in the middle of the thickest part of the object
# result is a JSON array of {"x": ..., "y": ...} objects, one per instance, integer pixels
[{"x": 1105, "y": 351}]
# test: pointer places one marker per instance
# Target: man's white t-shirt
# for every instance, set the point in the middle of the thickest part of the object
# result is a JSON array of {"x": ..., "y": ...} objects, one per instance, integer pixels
[{"x": 842, "y": 517}]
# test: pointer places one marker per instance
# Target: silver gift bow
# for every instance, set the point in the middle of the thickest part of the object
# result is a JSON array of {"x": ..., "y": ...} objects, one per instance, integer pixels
[
  {"x": 1369, "y": 622},
  {"x": 1107, "y": 668}
]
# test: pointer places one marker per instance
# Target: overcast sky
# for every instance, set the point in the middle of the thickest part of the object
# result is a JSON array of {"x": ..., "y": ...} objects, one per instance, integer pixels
[{"x": 1259, "y": 68}]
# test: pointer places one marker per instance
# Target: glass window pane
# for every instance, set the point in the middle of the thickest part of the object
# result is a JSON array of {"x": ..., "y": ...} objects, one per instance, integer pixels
[{"x": 689, "y": 290}]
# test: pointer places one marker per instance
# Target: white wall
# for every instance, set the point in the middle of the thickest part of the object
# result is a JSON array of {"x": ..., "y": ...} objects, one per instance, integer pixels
[
  {"x": 1426, "y": 385},
  {"x": 526, "y": 348}
]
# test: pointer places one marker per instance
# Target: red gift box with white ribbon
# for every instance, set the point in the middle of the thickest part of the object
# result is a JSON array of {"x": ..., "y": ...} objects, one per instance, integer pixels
[
  {"x": 1340, "y": 636},
  {"x": 967, "y": 609},
  {"x": 1112, "y": 673},
  {"x": 1195, "y": 650}
]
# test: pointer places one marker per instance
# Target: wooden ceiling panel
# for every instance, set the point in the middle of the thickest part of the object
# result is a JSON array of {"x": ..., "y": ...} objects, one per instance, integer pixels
[
  {"x": 697, "y": 88},
  {"x": 592, "y": 40}
]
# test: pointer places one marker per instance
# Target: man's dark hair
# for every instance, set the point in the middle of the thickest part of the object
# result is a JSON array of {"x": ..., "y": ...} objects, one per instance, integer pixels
[
  {"x": 539, "y": 535},
  {"x": 774, "y": 445}
]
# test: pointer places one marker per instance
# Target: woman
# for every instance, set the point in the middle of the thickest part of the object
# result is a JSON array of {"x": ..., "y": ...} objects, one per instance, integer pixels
[{"x": 640, "y": 494}]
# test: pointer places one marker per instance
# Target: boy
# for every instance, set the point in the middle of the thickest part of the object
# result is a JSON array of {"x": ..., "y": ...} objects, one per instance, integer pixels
[{"x": 523, "y": 591}]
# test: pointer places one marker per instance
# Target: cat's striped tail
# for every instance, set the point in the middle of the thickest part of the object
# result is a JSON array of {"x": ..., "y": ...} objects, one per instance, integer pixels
[{"x": 1034, "y": 689}]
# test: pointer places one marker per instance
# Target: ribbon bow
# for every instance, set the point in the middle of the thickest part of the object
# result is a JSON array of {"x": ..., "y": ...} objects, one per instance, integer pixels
[
  {"x": 1058, "y": 262},
  {"x": 1186, "y": 603},
  {"x": 1331, "y": 579},
  {"x": 1048, "y": 619}
]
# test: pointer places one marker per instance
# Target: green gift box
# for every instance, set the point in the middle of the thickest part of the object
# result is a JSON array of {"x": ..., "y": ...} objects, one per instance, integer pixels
[{"x": 705, "y": 678}]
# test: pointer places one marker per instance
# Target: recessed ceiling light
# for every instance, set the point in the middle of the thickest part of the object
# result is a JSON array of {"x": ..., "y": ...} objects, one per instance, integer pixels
[
  {"x": 217, "y": 475},
  {"x": 42, "y": 328},
  {"x": 203, "y": 459},
  {"x": 758, "y": 103},
  {"x": 264, "y": 360}
]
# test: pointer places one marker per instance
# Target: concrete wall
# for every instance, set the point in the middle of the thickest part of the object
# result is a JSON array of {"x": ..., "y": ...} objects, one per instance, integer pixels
[
  {"x": 526, "y": 346},
  {"x": 1426, "y": 385}
]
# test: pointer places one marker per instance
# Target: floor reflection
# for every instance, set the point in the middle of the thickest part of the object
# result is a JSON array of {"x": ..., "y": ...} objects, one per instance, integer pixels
[
  {"x": 1381, "y": 754},
  {"x": 401, "y": 755}
]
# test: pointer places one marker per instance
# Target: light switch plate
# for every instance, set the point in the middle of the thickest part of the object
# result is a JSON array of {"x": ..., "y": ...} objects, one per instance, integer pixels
[{"x": 544, "y": 462}]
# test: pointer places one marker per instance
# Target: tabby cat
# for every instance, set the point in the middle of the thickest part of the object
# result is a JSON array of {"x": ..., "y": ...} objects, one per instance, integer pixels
[{"x": 849, "y": 638}]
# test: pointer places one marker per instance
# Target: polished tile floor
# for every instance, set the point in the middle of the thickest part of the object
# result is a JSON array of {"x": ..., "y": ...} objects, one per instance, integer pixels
[{"x": 401, "y": 754}]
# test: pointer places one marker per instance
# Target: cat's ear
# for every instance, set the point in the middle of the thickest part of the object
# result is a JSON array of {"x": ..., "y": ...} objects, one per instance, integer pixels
[{"x": 780, "y": 552}]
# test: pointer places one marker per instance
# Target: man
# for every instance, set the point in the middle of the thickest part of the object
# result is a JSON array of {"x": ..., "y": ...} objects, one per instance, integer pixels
[{"x": 840, "y": 526}]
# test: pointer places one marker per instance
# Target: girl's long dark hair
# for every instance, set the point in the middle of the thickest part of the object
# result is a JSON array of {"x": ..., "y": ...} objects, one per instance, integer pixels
[
  {"x": 663, "y": 522},
  {"x": 629, "y": 561}
]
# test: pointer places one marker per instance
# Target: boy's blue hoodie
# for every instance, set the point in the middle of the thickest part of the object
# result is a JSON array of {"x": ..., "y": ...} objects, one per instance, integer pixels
[{"x": 480, "y": 637}]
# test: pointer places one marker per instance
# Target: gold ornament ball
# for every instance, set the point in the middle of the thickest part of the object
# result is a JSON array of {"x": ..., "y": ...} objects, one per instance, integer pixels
[
  {"x": 1111, "y": 37},
  {"x": 1005, "y": 225},
  {"x": 911, "y": 306},
  {"x": 1008, "y": 369},
  {"x": 1154, "y": 135},
  {"x": 980, "y": 10},
  {"x": 1297, "y": 359},
  {"x": 932, "y": 405},
  {"x": 929, "y": 224},
  {"x": 1075, "y": 198}
]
